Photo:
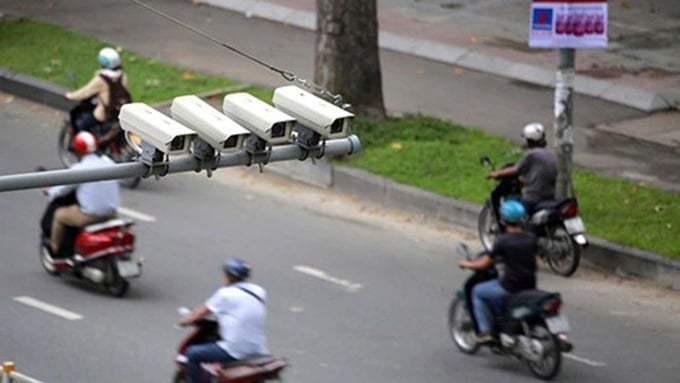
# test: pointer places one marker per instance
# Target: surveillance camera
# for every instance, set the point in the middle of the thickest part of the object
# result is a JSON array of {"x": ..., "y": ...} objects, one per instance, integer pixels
[
  {"x": 155, "y": 128},
  {"x": 262, "y": 119},
  {"x": 313, "y": 112},
  {"x": 218, "y": 130}
]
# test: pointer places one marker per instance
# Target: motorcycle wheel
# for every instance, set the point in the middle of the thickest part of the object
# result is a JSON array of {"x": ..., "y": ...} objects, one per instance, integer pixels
[
  {"x": 115, "y": 284},
  {"x": 461, "y": 328},
  {"x": 66, "y": 156},
  {"x": 179, "y": 377},
  {"x": 564, "y": 255},
  {"x": 487, "y": 227},
  {"x": 49, "y": 268},
  {"x": 550, "y": 361}
]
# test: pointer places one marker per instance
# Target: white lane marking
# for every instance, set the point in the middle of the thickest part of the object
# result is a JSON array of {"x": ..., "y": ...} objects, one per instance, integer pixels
[
  {"x": 585, "y": 361},
  {"x": 348, "y": 285},
  {"x": 136, "y": 215},
  {"x": 52, "y": 309}
]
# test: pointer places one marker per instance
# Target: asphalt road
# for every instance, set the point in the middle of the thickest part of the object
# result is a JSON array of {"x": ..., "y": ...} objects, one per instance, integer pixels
[
  {"x": 356, "y": 293},
  {"x": 410, "y": 84}
]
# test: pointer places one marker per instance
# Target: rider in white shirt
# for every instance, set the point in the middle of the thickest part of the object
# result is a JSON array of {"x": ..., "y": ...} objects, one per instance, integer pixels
[
  {"x": 241, "y": 313},
  {"x": 97, "y": 201}
]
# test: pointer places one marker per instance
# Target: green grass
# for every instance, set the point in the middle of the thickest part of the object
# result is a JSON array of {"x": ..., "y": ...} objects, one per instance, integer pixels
[
  {"x": 421, "y": 151},
  {"x": 56, "y": 55},
  {"x": 444, "y": 158}
]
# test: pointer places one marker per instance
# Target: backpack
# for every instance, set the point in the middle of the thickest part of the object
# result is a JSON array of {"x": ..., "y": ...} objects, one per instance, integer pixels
[{"x": 118, "y": 96}]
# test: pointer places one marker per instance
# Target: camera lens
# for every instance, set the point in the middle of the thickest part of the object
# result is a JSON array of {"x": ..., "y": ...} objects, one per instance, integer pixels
[
  {"x": 177, "y": 143},
  {"x": 231, "y": 142},
  {"x": 336, "y": 126},
  {"x": 278, "y": 130}
]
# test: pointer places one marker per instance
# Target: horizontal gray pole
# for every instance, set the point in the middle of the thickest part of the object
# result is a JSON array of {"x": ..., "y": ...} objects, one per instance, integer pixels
[{"x": 183, "y": 163}]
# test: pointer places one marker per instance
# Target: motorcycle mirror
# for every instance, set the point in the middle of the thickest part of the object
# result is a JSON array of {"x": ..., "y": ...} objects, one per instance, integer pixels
[
  {"x": 462, "y": 249},
  {"x": 485, "y": 160},
  {"x": 72, "y": 78}
]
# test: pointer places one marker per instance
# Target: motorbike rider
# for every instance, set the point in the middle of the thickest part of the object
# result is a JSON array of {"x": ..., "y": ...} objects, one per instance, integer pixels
[
  {"x": 95, "y": 201},
  {"x": 106, "y": 82},
  {"x": 537, "y": 170},
  {"x": 240, "y": 309},
  {"x": 514, "y": 255}
]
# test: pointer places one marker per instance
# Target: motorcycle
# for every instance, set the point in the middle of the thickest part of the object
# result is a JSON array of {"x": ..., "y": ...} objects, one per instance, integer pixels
[
  {"x": 255, "y": 369},
  {"x": 100, "y": 253},
  {"x": 560, "y": 229},
  {"x": 530, "y": 326},
  {"x": 112, "y": 136}
]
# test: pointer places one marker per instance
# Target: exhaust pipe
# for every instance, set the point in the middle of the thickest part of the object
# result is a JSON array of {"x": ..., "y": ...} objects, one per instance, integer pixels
[{"x": 93, "y": 274}]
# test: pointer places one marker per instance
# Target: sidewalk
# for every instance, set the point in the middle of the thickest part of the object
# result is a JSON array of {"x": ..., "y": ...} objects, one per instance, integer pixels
[
  {"x": 491, "y": 36},
  {"x": 640, "y": 68}
]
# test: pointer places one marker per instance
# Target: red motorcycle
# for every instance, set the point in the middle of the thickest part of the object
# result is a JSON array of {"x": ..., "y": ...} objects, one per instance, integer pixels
[
  {"x": 256, "y": 369},
  {"x": 100, "y": 253},
  {"x": 111, "y": 137}
]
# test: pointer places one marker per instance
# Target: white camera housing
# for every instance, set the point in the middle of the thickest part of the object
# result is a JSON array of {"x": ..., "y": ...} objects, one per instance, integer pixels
[
  {"x": 213, "y": 127},
  {"x": 313, "y": 112},
  {"x": 155, "y": 128},
  {"x": 262, "y": 119}
]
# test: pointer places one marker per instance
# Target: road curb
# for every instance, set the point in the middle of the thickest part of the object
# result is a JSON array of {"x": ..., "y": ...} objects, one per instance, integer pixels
[
  {"x": 604, "y": 255},
  {"x": 34, "y": 89},
  {"x": 600, "y": 254},
  {"x": 644, "y": 100}
]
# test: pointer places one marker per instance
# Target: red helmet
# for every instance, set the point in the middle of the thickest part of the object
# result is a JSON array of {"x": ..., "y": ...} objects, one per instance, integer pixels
[{"x": 84, "y": 143}]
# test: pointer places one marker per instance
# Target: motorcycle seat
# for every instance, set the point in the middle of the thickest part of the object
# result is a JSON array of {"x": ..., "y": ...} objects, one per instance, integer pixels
[
  {"x": 530, "y": 297},
  {"x": 548, "y": 205},
  {"x": 553, "y": 204},
  {"x": 114, "y": 222},
  {"x": 259, "y": 360}
]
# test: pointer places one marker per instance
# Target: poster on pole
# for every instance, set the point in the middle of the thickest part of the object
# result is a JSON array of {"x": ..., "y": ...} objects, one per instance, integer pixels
[{"x": 568, "y": 24}]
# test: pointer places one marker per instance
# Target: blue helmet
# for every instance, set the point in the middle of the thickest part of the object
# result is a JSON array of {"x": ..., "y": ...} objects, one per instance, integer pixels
[
  {"x": 512, "y": 211},
  {"x": 237, "y": 268}
]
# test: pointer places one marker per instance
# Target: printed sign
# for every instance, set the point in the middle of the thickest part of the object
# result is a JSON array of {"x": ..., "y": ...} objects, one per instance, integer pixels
[{"x": 568, "y": 24}]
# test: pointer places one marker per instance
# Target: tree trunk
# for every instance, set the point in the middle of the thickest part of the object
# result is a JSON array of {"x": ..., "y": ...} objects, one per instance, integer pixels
[{"x": 347, "y": 60}]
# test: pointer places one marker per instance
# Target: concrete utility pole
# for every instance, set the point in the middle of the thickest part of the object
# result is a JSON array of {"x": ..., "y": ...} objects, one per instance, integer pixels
[{"x": 564, "y": 138}]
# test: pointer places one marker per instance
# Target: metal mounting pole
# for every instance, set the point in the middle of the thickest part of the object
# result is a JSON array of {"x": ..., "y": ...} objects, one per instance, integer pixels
[
  {"x": 181, "y": 163},
  {"x": 564, "y": 140}
]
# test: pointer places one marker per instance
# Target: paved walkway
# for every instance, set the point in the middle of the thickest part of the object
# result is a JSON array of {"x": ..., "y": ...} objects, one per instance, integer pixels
[{"x": 639, "y": 68}]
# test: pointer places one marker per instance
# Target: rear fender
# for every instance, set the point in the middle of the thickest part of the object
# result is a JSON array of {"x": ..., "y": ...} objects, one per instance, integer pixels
[
  {"x": 109, "y": 241},
  {"x": 249, "y": 370}
]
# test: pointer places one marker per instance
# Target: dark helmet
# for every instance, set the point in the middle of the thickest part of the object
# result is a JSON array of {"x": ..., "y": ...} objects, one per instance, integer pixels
[
  {"x": 512, "y": 211},
  {"x": 237, "y": 269}
]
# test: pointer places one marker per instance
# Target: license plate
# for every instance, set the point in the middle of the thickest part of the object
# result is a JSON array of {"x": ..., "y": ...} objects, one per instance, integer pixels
[
  {"x": 128, "y": 269},
  {"x": 557, "y": 324},
  {"x": 574, "y": 225}
]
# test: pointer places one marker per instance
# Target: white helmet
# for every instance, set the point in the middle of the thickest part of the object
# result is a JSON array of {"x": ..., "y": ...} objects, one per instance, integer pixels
[
  {"x": 533, "y": 131},
  {"x": 108, "y": 58}
]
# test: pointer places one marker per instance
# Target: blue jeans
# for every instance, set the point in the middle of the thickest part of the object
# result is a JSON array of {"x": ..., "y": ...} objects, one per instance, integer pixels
[
  {"x": 487, "y": 296},
  {"x": 200, "y": 353}
]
